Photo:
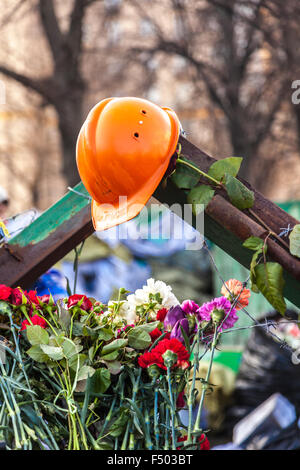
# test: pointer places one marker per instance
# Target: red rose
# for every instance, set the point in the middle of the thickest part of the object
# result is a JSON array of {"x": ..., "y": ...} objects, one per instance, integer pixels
[
  {"x": 156, "y": 333},
  {"x": 36, "y": 320},
  {"x": 203, "y": 446},
  {"x": 156, "y": 354},
  {"x": 5, "y": 292},
  {"x": 17, "y": 296},
  {"x": 161, "y": 314},
  {"x": 85, "y": 305}
]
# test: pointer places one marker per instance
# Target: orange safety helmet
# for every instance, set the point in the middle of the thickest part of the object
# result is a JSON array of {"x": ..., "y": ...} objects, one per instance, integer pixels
[{"x": 123, "y": 150}]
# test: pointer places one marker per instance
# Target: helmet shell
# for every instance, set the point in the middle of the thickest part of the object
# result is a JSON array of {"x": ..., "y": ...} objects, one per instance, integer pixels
[{"x": 123, "y": 150}]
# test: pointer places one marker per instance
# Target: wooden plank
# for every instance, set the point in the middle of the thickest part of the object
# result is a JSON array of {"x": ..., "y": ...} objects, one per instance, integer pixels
[{"x": 68, "y": 222}]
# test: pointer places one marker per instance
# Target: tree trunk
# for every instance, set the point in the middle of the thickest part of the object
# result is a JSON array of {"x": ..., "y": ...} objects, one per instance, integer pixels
[{"x": 70, "y": 118}]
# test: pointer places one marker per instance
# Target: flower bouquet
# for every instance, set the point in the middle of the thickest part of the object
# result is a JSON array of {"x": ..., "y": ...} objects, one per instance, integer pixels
[{"x": 78, "y": 374}]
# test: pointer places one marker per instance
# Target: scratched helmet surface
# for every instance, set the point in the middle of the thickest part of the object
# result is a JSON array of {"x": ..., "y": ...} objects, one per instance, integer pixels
[{"x": 123, "y": 150}]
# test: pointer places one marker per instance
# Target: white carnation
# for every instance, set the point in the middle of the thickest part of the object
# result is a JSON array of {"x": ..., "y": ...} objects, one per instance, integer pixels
[
  {"x": 141, "y": 296},
  {"x": 124, "y": 310}
]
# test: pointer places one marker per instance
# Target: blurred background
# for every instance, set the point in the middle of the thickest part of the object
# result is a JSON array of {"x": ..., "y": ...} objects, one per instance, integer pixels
[
  {"x": 225, "y": 66},
  {"x": 229, "y": 68}
]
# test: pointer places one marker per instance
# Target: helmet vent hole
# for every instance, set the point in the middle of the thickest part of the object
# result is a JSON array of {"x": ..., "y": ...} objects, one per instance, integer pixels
[{"x": 136, "y": 134}]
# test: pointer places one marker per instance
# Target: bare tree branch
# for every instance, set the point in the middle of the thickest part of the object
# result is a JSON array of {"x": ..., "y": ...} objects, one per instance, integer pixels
[
  {"x": 51, "y": 27},
  {"x": 39, "y": 86}
]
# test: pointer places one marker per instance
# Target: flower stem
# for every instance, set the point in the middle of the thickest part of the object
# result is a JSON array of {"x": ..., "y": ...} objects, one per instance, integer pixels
[
  {"x": 156, "y": 429},
  {"x": 172, "y": 409},
  {"x": 202, "y": 173},
  {"x": 204, "y": 388},
  {"x": 190, "y": 399}
]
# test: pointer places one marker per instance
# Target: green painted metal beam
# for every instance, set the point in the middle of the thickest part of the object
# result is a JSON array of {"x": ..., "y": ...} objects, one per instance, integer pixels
[{"x": 50, "y": 237}]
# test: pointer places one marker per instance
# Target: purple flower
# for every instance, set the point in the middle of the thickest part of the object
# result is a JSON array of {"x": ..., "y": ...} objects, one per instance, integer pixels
[
  {"x": 176, "y": 331},
  {"x": 173, "y": 316},
  {"x": 189, "y": 306},
  {"x": 175, "y": 319},
  {"x": 220, "y": 306}
]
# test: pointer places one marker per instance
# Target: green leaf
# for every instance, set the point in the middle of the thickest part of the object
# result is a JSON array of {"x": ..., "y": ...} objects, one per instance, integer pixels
[
  {"x": 184, "y": 177},
  {"x": 100, "y": 381},
  {"x": 64, "y": 317},
  {"x": 118, "y": 426},
  {"x": 148, "y": 327},
  {"x": 253, "y": 243},
  {"x": 85, "y": 372},
  {"x": 199, "y": 197},
  {"x": 69, "y": 348},
  {"x": 105, "y": 334},
  {"x": 88, "y": 331},
  {"x": 110, "y": 356},
  {"x": 37, "y": 354},
  {"x": 37, "y": 335},
  {"x": 240, "y": 196},
  {"x": 295, "y": 241},
  {"x": 105, "y": 445},
  {"x": 139, "y": 339},
  {"x": 74, "y": 361},
  {"x": 77, "y": 329},
  {"x": 269, "y": 280},
  {"x": 113, "y": 346},
  {"x": 253, "y": 264},
  {"x": 55, "y": 353},
  {"x": 114, "y": 367},
  {"x": 230, "y": 165}
]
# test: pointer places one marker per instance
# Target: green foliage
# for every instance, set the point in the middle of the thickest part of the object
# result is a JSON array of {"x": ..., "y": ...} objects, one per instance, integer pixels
[
  {"x": 184, "y": 177},
  {"x": 53, "y": 352},
  {"x": 115, "y": 345},
  {"x": 64, "y": 316},
  {"x": 266, "y": 277},
  {"x": 100, "y": 381},
  {"x": 37, "y": 335},
  {"x": 253, "y": 243},
  {"x": 269, "y": 280},
  {"x": 240, "y": 196},
  {"x": 199, "y": 197},
  {"x": 230, "y": 166},
  {"x": 36, "y": 353},
  {"x": 139, "y": 338},
  {"x": 295, "y": 241},
  {"x": 105, "y": 334},
  {"x": 85, "y": 372}
]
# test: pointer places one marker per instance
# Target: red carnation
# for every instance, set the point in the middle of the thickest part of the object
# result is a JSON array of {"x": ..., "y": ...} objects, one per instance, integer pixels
[
  {"x": 203, "y": 446},
  {"x": 155, "y": 356},
  {"x": 5, "y": 292},
  {"x": 85, "y": 305},
  {"x": 156, "y": 333},
  {"x": 35, "y": 320},
  {"x": 161, "y": 314},
  {"x": 31, "y": 296},
  {"x": 44, "y": 298}
]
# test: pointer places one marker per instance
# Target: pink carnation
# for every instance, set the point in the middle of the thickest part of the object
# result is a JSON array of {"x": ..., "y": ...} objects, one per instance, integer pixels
[{"x": 220, "y": 304}]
